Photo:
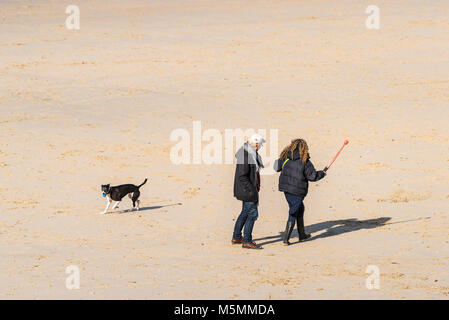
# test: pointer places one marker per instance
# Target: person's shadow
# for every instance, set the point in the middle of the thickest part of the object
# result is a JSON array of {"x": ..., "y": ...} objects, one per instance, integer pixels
[{"x": 333, "y": 228}]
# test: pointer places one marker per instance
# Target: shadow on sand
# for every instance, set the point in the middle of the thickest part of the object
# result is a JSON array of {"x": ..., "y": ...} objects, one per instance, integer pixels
[
  {"x": 333, "y": 228},
  {"x": 148, "y": 208}
]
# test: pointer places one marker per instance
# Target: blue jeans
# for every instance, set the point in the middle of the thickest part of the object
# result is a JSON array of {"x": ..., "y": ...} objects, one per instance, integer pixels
[
  {"x": 246, "y": 219},
  {"x": 296, "y": 206}
]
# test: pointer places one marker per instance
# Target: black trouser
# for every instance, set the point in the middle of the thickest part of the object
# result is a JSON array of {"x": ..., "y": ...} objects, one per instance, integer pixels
[{"x": 296, "y": 206}]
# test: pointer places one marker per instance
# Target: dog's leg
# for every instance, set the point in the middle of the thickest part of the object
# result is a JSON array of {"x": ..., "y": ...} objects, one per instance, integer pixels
[
  {"x": 135, "y": 199},
  {"x": 115, "y": 206},
  {"x": 138, "y": 205},
  {"x": 107, "y": 206}
]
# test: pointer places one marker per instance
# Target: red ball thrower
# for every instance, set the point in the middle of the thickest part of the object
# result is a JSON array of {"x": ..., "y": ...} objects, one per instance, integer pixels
[{"x": 338, "y": 153}]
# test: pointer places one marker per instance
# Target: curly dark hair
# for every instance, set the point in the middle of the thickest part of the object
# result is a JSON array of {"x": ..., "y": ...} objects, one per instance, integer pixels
[{"x": 299, "y": 144}]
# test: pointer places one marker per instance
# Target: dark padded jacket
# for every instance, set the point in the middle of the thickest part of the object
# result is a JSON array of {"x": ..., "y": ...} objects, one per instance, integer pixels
[
  {"x": 295, "y": 175},
  {"x": 246, "y": 179}
]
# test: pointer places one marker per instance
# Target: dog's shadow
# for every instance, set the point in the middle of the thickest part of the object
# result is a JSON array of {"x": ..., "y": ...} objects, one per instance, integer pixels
[
  {"x": 146, "y": 208},
  {"x": 333, "y": 228}
]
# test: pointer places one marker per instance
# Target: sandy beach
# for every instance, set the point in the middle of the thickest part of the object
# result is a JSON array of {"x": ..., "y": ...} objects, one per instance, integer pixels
[{"x": 82, "y": 108}]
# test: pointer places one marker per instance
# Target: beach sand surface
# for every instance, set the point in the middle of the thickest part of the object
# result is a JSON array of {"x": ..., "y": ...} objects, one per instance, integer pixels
[{"x": 81, "y": 108}]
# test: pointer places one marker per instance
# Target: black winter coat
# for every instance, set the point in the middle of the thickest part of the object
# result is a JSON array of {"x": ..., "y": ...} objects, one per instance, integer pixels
[
  {"x": 246, "y": 179},
  {"x": 295, "y": 175}
]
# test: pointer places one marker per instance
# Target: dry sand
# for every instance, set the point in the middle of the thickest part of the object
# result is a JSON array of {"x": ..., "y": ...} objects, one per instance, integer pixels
[{"x": 97, "y": 105}]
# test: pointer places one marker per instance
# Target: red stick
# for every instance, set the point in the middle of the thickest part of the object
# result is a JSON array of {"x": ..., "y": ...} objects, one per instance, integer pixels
[{"x": 338, "y": 153}]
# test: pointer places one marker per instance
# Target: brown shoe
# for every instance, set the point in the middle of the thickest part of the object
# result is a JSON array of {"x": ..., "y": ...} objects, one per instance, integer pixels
[
  {"x": 251, "y": 245},
  {"x": 237, "y": 241}
]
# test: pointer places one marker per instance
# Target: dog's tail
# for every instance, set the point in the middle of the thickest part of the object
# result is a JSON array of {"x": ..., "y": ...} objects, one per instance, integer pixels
[{"x": 142, "y": 183}]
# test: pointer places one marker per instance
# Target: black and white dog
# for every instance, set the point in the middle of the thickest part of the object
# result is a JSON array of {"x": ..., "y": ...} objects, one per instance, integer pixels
[{"x": 118, "y": 192}]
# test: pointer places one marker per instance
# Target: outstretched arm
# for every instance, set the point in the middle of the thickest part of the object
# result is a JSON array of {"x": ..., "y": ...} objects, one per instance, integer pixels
[{"x": 311, "y": 174}]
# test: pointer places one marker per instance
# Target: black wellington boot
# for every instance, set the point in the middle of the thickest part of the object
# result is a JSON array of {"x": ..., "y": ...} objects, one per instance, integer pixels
[
  {"x": 288, "y": 231},
  {"x": 301, "y": 231}
]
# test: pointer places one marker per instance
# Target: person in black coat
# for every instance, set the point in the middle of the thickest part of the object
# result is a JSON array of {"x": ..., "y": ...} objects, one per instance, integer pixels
[
  {"x": 296, "y": 172},
  {"x": 246, "y": 189}
]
